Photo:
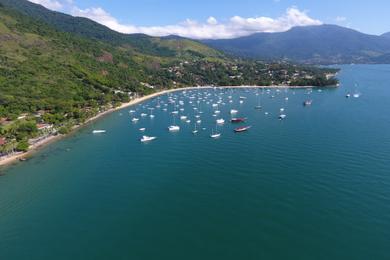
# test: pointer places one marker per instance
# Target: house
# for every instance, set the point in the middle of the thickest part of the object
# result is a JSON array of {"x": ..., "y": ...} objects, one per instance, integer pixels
[
  {"x": 2, "y": 141},
  {"x": 42, "y": 127},
  {"x": 22, "y": 116}
]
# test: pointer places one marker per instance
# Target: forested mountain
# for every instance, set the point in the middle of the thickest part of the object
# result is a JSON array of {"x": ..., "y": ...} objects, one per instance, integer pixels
[{"x": 324, "y": 44}]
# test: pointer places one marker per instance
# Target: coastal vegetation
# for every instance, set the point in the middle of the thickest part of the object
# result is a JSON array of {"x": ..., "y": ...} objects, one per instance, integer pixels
[{"x": 56, "y": 71}]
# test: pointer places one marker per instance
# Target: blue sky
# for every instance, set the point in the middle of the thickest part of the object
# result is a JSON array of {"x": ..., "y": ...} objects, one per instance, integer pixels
[{"x": 227, "y": 19}]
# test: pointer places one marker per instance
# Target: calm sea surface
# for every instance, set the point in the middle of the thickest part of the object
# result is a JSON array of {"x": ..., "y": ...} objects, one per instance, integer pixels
[{"x": 313, "y": 186}]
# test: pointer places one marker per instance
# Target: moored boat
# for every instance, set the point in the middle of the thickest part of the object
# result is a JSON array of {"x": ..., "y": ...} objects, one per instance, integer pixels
[
  {"x": 217, "y": 135},
  {"x": 98, "y": 131},
  {"x": 282, "y": 116},
  {"x": 238, "y": 119},
  {"x": 220, "y": 121},
  {"x": 147, "y": 138},
  {"x": 242, "y": 129},
  {"x": 174, "y": 128}
]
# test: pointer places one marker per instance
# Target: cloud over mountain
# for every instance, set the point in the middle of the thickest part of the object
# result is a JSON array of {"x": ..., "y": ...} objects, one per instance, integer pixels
[{"x": 236, "y": 26}]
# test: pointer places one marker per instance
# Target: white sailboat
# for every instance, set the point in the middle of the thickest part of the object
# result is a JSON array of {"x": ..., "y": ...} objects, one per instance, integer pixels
[
  {"x": 258, "y": 107},
  {"x": 151, "y": 113},
  {"x": 215, "y": 134},
  {"x": 174, "y": 127},
  {"x": 195, "y": 131}
]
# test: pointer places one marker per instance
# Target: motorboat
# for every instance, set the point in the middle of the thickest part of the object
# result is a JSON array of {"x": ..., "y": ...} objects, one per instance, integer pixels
[
  {"x": 242, "y": 129},
  {"x": 174, "y": 128},
  {"x": 147, "y": 138},
  {"x": 98, "y": 131},
  {"x": 238, "y": 120},
  {"x": 220, "y": 121}
]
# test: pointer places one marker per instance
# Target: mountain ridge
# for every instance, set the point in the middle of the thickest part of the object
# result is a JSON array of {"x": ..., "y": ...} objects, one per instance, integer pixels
[
  {"x": 387, "y": 35},
  {"x": 322, "y": 44}
]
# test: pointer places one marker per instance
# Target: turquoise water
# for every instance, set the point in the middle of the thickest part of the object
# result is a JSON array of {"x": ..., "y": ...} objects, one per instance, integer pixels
[{"x": 314, "y": 186}]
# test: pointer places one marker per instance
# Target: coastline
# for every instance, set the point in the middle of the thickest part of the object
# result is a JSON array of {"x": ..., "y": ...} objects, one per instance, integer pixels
[{"x": 43, "y": 143}]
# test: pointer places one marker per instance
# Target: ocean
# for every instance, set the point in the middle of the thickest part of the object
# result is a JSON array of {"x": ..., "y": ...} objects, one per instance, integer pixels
[{"x": 315, "y": 185}]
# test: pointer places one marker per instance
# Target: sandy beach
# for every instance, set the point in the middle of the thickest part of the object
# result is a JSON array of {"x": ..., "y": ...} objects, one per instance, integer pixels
[{"x": 33, "y": 148}]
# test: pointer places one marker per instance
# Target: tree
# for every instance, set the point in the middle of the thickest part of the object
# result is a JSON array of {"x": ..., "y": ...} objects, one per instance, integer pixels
[{"x": 22, "y": 146}]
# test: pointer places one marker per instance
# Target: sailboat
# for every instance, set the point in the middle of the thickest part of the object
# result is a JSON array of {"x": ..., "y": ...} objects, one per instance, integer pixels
[
  {"x": 151, "y": 113},
  {"x": 216, "y": 134},
  {"x": 195, "y": 131},
  {"x": 258, "y": 107},
  {"x": 356, "y": 94},
  {"x": 174, "y": 127}
]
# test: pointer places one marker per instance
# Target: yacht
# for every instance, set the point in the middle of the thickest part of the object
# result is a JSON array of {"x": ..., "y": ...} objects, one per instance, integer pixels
[
  {"x": 134, "y": 120},
  {"x": 174, "y": 128},
  {"x": 220, "y": 121},
  {"x": 233, "y": 111}
]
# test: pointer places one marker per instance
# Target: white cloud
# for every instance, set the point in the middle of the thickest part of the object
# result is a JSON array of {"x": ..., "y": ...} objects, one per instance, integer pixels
[
  {"x": 212, "y": 21},
  {"x": 236, "y": 26},
  {"x": 50, "y": 4}
]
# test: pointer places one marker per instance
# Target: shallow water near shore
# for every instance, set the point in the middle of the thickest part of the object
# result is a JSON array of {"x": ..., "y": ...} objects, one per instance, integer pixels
[{"x": 313, "y": 186}]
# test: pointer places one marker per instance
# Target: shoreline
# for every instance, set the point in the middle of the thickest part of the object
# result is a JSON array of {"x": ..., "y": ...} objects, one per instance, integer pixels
[{"x": 51, "y": 139}]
